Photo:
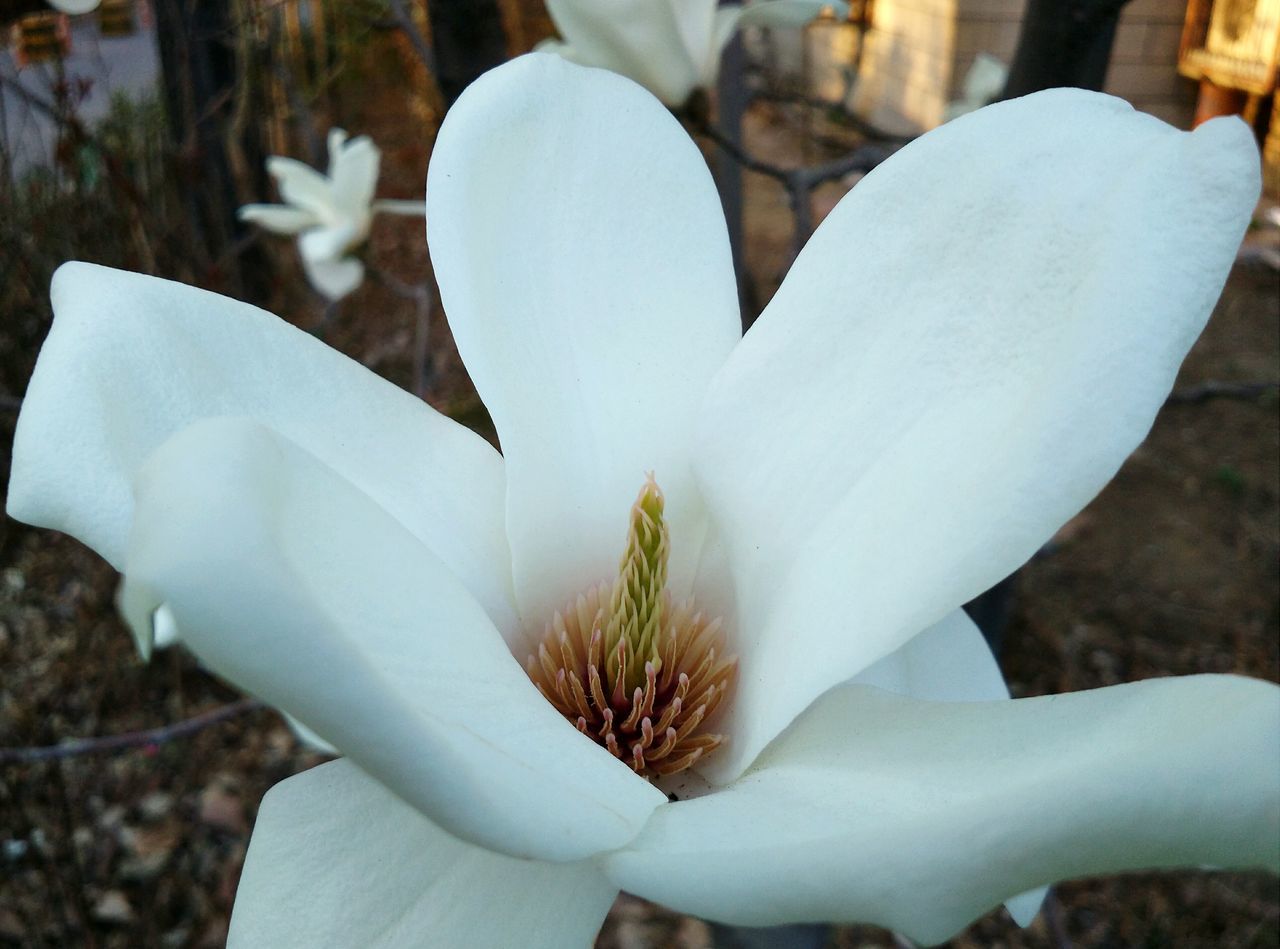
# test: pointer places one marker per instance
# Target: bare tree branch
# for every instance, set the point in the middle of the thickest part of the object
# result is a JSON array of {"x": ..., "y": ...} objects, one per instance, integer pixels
[{"x": 140, "y": 739}]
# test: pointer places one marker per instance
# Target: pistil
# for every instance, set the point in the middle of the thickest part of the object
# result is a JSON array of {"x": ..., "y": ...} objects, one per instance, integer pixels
[{"x": 637, "y": 674}]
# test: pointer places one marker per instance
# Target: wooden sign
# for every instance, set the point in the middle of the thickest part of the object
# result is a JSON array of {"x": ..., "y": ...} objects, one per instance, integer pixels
[{"x": 1232, "y": 43}]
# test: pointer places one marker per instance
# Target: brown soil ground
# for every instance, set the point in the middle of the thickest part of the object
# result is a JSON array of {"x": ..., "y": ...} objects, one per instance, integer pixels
[{"x": 1172, "y": 570}]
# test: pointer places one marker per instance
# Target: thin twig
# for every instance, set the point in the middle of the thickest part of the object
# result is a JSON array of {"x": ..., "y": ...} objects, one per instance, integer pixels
[
  {"x": 151, "y": 736},
  {"x": 282, "y": 69},
  {"x": 861, "y": 159},
  {"x": 799, "y": 182},
  {"x": 737, "y": 152},
  {"x": 852, "y": 119},
  {"x": 1203, "y": 392},
  {"x": 423, "y": 303},
  {"x": 421, "y": 342}
]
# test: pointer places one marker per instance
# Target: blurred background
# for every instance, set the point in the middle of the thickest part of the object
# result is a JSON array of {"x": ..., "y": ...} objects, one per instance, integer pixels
[{"x": 131, "y": 135}]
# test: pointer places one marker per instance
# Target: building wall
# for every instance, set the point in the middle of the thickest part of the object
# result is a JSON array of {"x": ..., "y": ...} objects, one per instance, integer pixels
[
  {"x": 1144, "y": 61},
  {"x": 920, "y": 50},
  {"x": 908, "y": 65}
]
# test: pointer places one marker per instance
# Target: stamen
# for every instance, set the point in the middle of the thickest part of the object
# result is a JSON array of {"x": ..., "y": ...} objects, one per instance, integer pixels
[
  {"x": 579, "y": 696},
  {"x": 607, "y": 728},
  {"x": 597, "y": 690},
  {"x": 637, "y": 709}
]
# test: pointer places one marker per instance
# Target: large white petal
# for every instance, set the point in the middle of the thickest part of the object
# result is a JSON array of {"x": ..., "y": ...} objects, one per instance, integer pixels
[
  {"x": 959, "y": 360},
  {"x": 337, "y": 861},
  {"x": 950, "y": 662},
  {"x": 584, "y": 265},
  {"x": 288, "y": 581},
  {"x": 640, "y": 39},
  {"x": 132, "y": 359},
  {"x": 920, "y": 816}
]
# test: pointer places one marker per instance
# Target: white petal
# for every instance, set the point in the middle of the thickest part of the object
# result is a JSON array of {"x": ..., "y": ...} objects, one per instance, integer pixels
[
  {"x": 787, "y": 13},
  {"x": 921, "y": 816},
  {"x": 967, "y": 350},
  {"x": 337, "y": 861},
  {"x": 302, "y": 185},
  {"x": 278, "y": 218},
  {"x": 948, "y": 662},
  {"x": 728, "y": 19},
  {"x": 354, "y": 175},
  {"x": 291, "y": 583},
  {"x": 164, "y": 630},
  {"x": 131, "y": 360},
  {"x": 334, "y": 279},
  {"x": 584, "y": 266},
  {"x": 333, "y": 275},
  {"x": 1025, "y": 907},
  {"x": 985, "y": 79},
  {"x": 697, "y": 22},
  {"x": 309, "y": 738},
  {"x": 335, "y": 140},
  {"x": 640, "y": 39},
  {"x": 327, "y": 243}
]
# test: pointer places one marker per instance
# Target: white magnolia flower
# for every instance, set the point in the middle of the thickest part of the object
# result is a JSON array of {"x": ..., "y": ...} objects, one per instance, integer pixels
[
  {"x": 671, "y": 47},
  {"x": 983, "y": 83},
  {"x": 330, "y": 213},
  {"x": 887, "y": 441},
  {"x": 74, "y": 7}
]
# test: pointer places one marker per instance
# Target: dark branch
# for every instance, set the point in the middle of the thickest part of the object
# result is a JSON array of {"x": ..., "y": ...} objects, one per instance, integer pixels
[
  {"x": 1197, "y": 394},
  {"x": 410, "y": 29},
  {"x": 151, "y": 736},
  {"x": 863, "y": 158}
]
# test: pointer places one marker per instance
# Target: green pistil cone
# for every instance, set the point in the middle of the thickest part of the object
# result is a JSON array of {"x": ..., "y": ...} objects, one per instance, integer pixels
[{"x": 635, "y": 609}]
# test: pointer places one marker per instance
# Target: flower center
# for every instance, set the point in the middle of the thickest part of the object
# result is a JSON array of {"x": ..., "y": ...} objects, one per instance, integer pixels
[{"x": 635, "y": 673}]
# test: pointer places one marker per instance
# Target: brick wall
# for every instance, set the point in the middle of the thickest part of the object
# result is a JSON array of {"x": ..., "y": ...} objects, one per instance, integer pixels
[
  {"x": 1144, "y": 61},
  {"x": 908, "y": 64}
]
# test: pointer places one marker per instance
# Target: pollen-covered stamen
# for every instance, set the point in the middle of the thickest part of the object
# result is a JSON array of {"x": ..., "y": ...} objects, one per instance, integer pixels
[{"x": 638, "y": 675}]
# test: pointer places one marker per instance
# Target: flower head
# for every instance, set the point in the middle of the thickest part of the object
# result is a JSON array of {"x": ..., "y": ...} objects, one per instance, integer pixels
[
  {"x": 331, "y": 214},
  {"x": 900, "y": 429},
  {"x": 671, "y": 47},
  {"x": 642, "y": 676}
]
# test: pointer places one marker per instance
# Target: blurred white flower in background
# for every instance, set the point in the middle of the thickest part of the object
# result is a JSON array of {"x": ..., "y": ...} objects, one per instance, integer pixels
[
  {"x": 74, "y": 7},
  {"x": 330, "y": 214},
  {"x": 983, "y": 84},
  {"x": 671, "y": 47},
  {"x": 889, "y": 440}
]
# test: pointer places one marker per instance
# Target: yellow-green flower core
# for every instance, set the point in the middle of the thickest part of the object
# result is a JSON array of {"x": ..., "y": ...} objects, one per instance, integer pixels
[{"x": 635, "y": 673}]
